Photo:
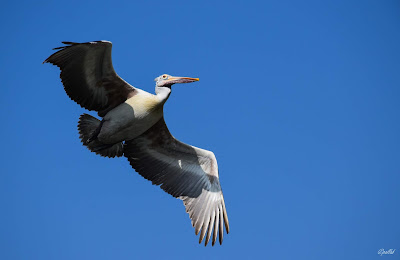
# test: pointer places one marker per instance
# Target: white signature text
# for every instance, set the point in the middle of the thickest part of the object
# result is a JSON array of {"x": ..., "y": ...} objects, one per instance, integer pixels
[{"x": 386, "y": 252}]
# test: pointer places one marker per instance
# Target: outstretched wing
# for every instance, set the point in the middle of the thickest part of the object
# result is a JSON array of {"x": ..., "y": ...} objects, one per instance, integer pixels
[
  {"x": 185, "y": 172},
  {"x": 88, "y": 75}
]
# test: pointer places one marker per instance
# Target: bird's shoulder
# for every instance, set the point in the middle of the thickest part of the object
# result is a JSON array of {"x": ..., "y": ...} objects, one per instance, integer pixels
[{"x": 143, "y": 101}]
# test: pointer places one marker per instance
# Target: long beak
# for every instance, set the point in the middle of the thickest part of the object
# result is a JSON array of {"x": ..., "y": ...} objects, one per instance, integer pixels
[{"x": 182, "y": 79}]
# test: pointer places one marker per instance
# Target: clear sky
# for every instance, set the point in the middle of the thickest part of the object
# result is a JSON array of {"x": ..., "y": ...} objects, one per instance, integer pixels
[{"x": 299, "y": 101}]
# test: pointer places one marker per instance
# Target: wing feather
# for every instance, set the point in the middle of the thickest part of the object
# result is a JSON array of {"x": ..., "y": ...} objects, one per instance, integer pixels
[
  {"x": 88, "y": 75},
  {"x": 215, "y": 227},
  {"x": 185, "y": 172},
  {"x": 210, "y": 227}
]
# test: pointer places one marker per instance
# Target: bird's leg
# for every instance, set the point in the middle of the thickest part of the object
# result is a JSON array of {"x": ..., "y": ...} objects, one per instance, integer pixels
[{"x": 95, "y": 133}]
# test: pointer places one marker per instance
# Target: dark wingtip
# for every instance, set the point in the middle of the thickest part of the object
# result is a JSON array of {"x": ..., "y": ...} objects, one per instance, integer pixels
[
  {"x": 66, "y": 43},
  {"x": 58, "y": 48},
  {"x": 46, "y": 60},
  {"x": 70, "y": 43}
]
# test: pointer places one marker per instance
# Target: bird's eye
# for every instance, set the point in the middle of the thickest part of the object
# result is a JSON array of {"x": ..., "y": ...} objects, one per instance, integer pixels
[{"x": 164, "y": 76}]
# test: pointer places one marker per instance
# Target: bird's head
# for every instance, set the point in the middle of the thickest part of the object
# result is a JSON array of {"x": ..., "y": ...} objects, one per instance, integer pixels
[{"x": 166, "y": 80}]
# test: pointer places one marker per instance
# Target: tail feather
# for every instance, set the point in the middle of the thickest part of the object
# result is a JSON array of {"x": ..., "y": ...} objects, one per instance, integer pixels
[{"x": 87, "y": 127}]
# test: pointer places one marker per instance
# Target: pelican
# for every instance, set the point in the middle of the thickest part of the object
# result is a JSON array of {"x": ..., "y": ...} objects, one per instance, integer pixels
[{"x": 133, "y": 126}]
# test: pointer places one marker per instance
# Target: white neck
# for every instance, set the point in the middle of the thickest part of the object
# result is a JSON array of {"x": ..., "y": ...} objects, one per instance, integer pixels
[{"x": 163, "y": 93}]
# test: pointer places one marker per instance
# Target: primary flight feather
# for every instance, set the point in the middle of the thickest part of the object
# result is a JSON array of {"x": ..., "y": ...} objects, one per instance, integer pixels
[{"x": 133, "y": 126}]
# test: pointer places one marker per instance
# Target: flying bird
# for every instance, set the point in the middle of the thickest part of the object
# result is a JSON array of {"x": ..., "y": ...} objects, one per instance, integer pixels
[{"x": 133, "y": 126}]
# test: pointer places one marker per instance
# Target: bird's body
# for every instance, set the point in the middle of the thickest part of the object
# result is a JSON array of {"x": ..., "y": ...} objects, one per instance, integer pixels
[
  {"x": 133, "y": 126},
  {"x": 131, "y": 118}
]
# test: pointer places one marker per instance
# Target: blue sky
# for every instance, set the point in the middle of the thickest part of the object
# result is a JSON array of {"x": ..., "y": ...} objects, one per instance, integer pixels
[{"x": 299, "y": 100}]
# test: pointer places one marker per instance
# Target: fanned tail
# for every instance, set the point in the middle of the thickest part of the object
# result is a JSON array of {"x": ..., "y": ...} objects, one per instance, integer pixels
[{"x": 89, "y": 128}]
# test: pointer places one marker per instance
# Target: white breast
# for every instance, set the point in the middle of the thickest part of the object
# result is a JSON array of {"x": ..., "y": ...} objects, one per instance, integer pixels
[
  {"x": 131, "y": 118},
  {"x": 143, "y": 103}
]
